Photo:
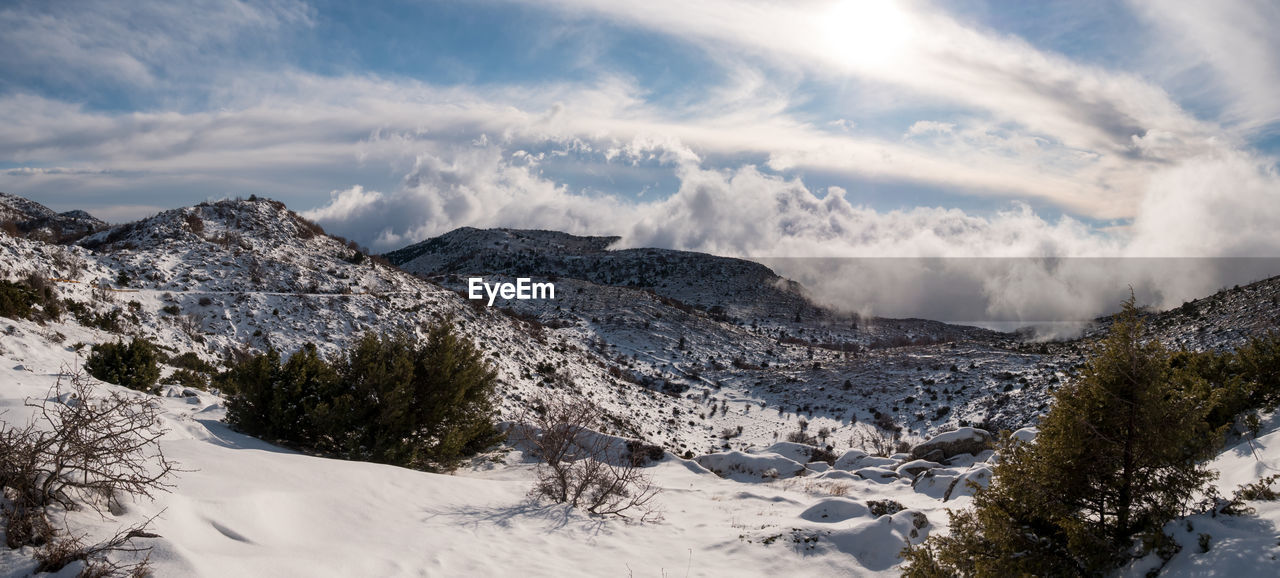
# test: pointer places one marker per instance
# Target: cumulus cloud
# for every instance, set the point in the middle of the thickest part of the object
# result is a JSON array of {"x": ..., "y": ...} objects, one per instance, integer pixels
[
  {"x": 478, "y": 185},
  {"x": 1011, "y": 266}
]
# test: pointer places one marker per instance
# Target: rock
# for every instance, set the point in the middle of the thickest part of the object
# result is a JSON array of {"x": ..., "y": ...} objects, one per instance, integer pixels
[
  {"x": 966, "y": 440},
  {"x": 969, "y": 482},
  {"x": 1026, "y": 434},
  {"x": 917, "y": 519},
  {"x": 878, "y": 475},
  {"x": 791, "y": 450},
  {"x": 878, "y": 462},
  {"x": 912, "y": 468},
  {"x": 834, "y": 510},
  {"x": 934, "y": 483},
  {"x": 962, "y": 460},
  {"x": 849, "y": 460}
]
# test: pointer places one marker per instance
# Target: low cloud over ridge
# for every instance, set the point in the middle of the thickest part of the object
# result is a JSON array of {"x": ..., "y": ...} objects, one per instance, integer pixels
[{"x": 1010, "y": 266}]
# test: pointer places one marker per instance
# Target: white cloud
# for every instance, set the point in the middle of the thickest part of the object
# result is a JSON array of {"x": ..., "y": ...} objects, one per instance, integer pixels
[
  {"x": 1236, "y": 39},
  {"x": 930, "y": 126},
  {"x": 343, "y": 205},
  {"x": 933, "y": 262},
  {"x": 1023, "y": 124},
  {"x": 134, "y": 44},
  {"x": 1002, "y": 76}
]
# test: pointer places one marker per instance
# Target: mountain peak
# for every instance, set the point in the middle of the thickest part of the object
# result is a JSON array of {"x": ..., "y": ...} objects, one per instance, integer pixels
[{"x": 26, "y": 218}]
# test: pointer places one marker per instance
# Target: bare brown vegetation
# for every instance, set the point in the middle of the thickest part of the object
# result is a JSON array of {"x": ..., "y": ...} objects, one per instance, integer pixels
[
  {"x": 80, "y": 451},
  {"x": 582, "y": 468}
]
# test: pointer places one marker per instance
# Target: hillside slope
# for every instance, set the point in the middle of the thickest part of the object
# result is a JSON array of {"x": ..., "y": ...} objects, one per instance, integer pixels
[{"x": 33, "y": 220}]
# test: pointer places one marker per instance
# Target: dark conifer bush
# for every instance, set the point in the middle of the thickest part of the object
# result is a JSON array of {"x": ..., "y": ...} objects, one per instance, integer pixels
[
  {"x": 387, "y": 399},
  {"x": 133, "y": 365},
  {"x": 1117, "y": 457}
]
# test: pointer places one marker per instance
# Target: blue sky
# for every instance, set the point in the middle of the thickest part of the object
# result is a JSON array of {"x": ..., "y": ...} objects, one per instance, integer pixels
[{"x": 829, "y": 127}]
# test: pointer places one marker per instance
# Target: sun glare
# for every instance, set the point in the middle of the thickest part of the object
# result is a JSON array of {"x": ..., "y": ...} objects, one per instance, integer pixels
[{"x": 866, "y": 33}]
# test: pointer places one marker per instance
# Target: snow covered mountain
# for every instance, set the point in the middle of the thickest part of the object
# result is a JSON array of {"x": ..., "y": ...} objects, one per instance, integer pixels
[
  {"x": 679, "y": 363},
  {"x": 33, "y": 220},
  {"x": 714, "y": 359},
  {"x": 733, "y": 288}
]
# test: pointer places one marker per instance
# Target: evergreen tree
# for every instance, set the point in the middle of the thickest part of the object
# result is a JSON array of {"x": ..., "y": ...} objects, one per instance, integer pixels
[
  {"x": 386, "y": 399},
  {"x": 302, "y": 384},
  {"x": 452, "y": 405},
  {"x": 253, "y": 381},
  {"x": 133, "y": 365},
  {"x": 1116, "y": 458}
]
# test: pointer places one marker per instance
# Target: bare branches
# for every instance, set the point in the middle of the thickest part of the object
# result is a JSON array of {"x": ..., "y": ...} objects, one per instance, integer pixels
[
  {"x": 54, "y": 556},
  {"x": 91, "y": 448},
  {"x": 581, "y": 467},
  {"x": 81, "y": 451}
]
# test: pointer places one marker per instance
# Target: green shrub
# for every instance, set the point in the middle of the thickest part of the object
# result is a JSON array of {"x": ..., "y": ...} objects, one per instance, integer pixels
[
  {"x": 16, "y": 300},
  {"x": 387, "y": 399},
  {"x": 33, "y": 299},
  {"x": 188, "y": 378},
  {"x": 1116, "y": 458},
  {"x": 1260, "y": 490},
  {"x": 190, "y": 360},
  {"x": 133, "y": 365},
  {"x": 1231, "y": 383}
]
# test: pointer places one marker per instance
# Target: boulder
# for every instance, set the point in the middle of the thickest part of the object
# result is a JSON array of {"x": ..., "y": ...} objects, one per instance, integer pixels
[
  {"x": 850, "y": 460},
  {"x": 878, "y": 475},
  {"x": 1026, "y": 434},
  {"x": 968, "y": 483},
  {"x": 912, "y": 468},
  {"x": 834, "y": 510},
  {"x": 966, "y": 440}
]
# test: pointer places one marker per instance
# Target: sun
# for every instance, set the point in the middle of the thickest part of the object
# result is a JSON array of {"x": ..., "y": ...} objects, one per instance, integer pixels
[{"x": 867, "y": 34}]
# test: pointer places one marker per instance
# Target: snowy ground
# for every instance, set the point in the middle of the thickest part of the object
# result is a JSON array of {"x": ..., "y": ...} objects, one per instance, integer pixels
[{"x": 246, "y": 508}]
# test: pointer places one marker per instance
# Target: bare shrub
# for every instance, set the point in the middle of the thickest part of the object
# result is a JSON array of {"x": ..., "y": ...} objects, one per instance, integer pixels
[
  {"x": 102, "y": 292},
  {"x": 800, "y": 437},
  {"x": 581, "y": 467},
  {"x": 195, "y": 223},
  {"x": 879, "y": 443},
  {"x": 189, "y": 324},
  {"x": 823, "y": 454},
  {"x": 55, "y": 555},
  {"x": 79, "y": 451},
  {"x": 257, "y": 272}
]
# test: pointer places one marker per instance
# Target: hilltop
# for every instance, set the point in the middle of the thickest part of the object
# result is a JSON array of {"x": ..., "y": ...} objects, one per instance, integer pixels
[
  {"x": 22, "y": 216},
  {"x": 718, "y": 361}
]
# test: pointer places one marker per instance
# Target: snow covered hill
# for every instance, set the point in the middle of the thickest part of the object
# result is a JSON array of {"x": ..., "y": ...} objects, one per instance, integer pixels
[
  {"x": 243, "y": 507},
  {"x": 733, "y": 288},
  {"x": 719, "y": 361},
  {"x": 33, "y": 220},
  {"x": 736, "y": 290}
]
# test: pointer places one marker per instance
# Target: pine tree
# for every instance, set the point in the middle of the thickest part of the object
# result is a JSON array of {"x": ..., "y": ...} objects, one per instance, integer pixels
[
  {"x": 133, "y": 365},
  {"x": 453, "y": 405},
  {"x": 302, "y": 384},
  {"x": 387, "y": 399},
  {"x": 253, "y": 381},
  {"x": 1116, "y": 458}
]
